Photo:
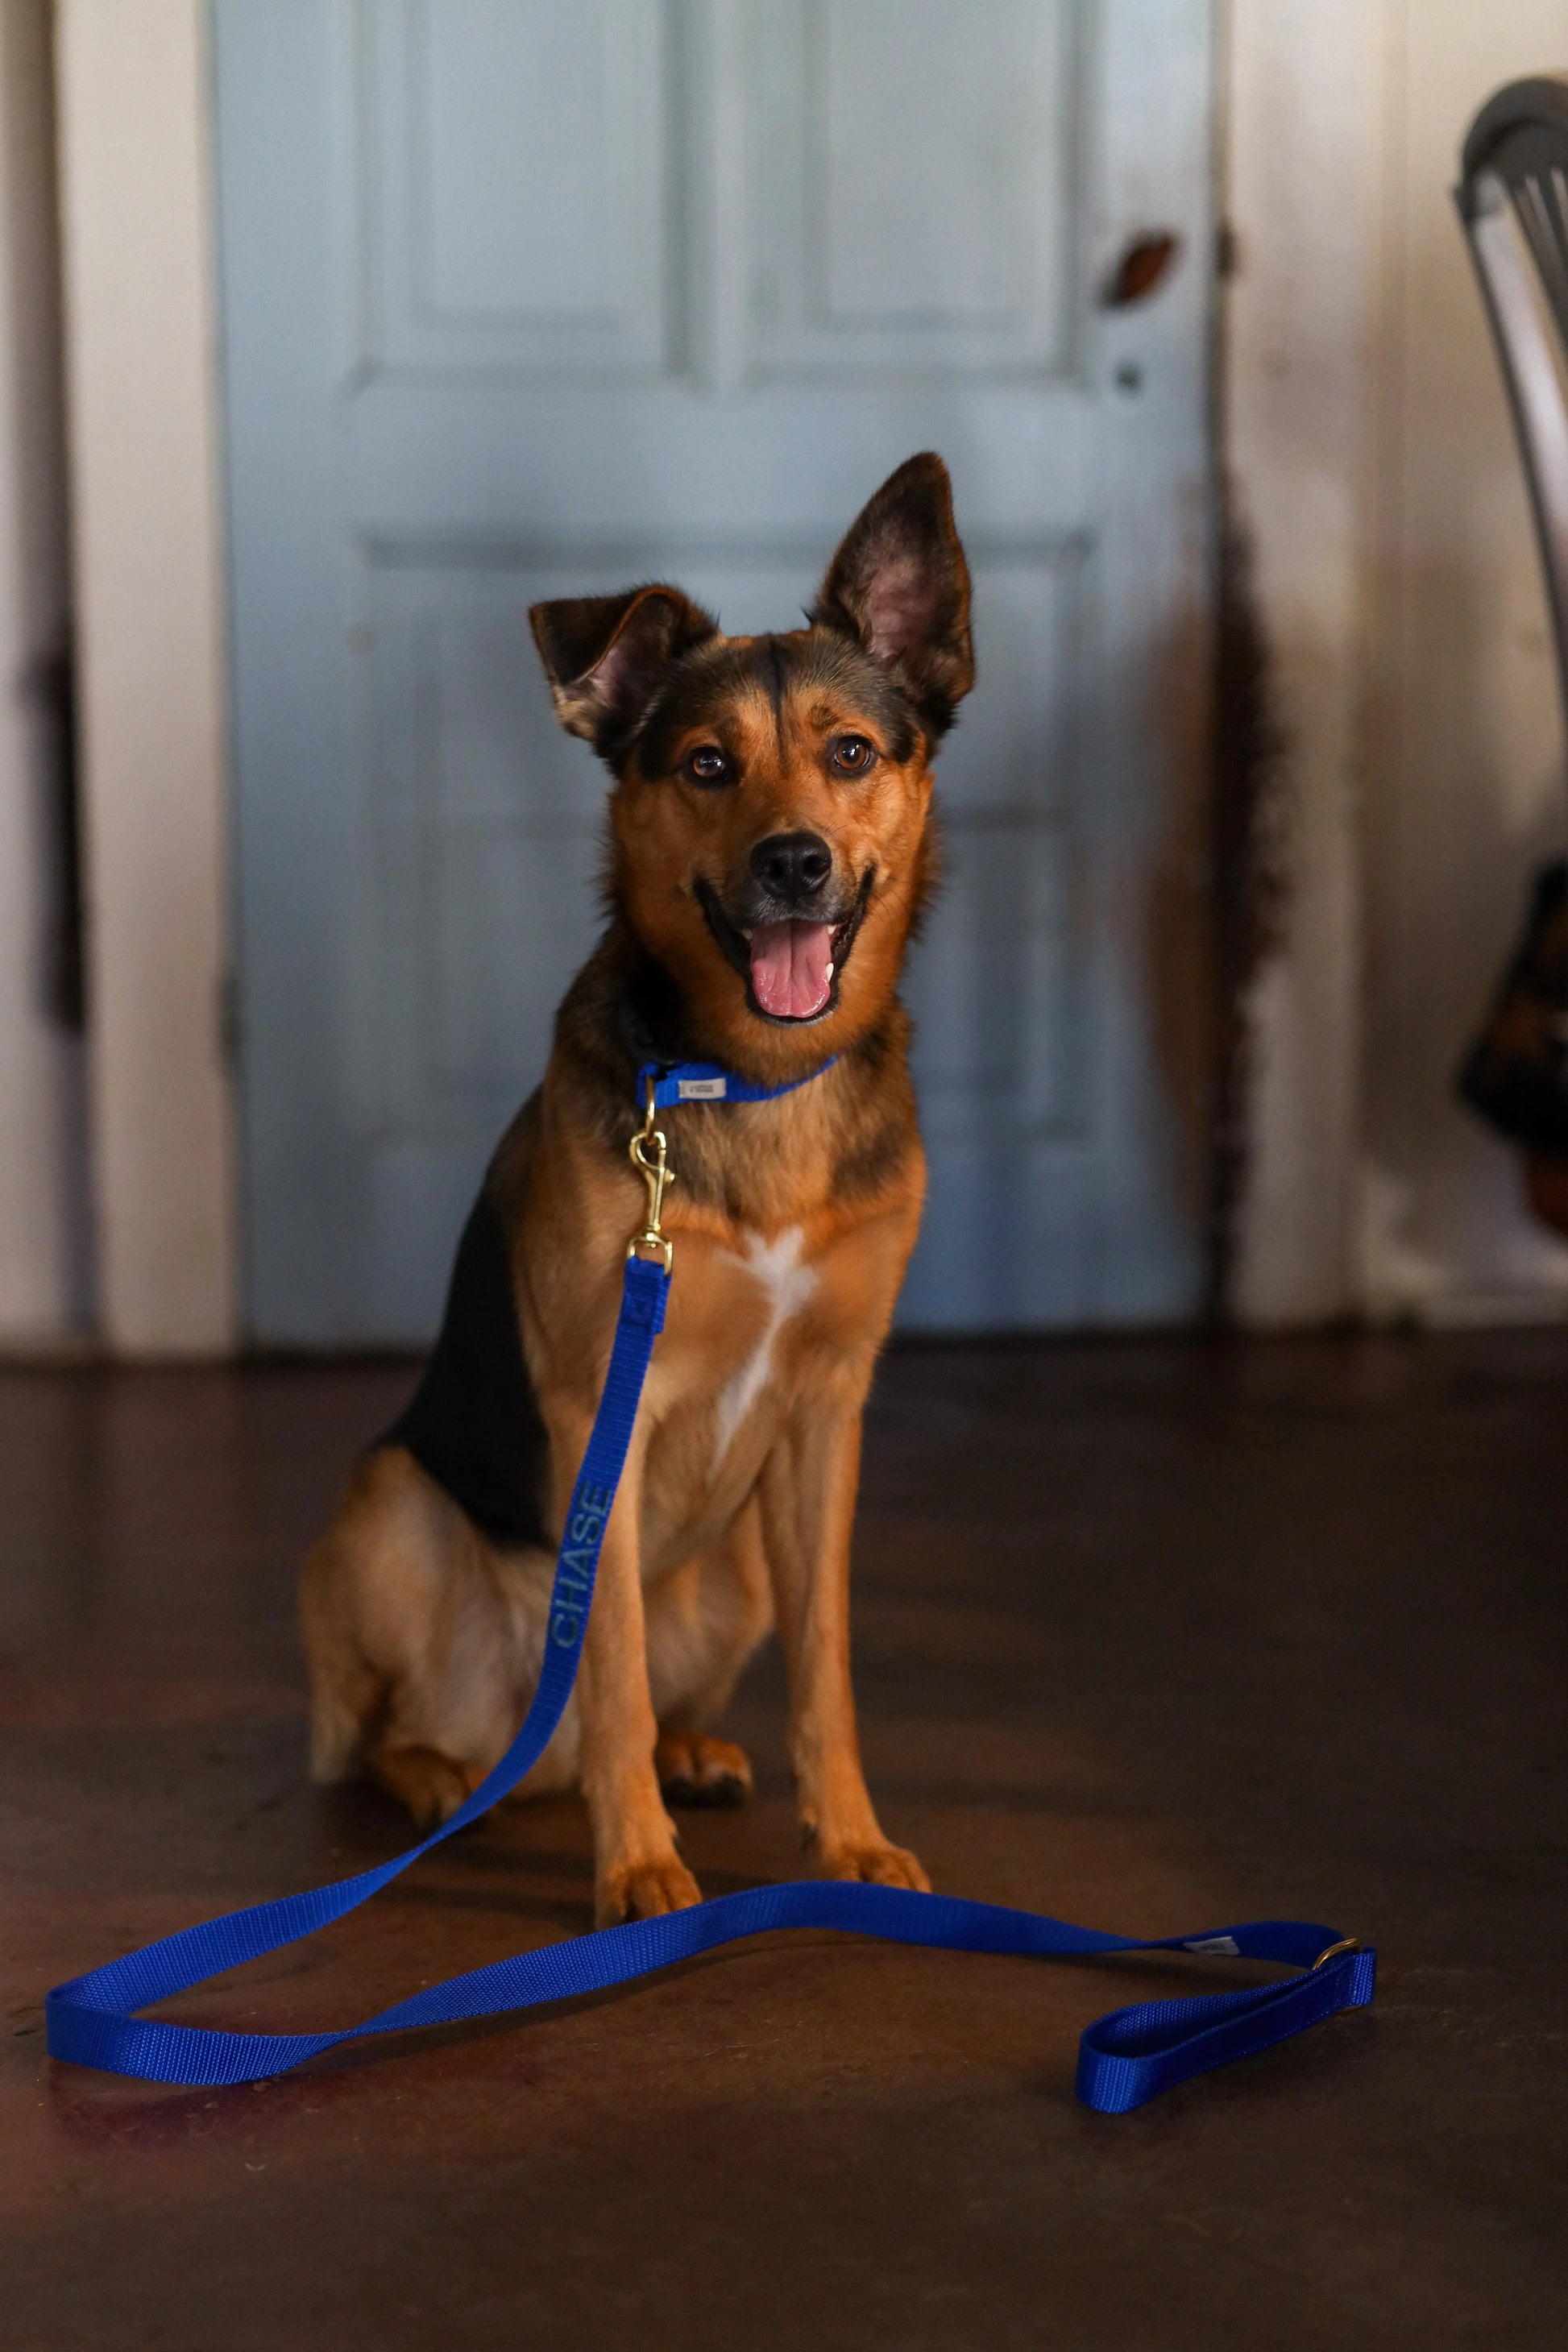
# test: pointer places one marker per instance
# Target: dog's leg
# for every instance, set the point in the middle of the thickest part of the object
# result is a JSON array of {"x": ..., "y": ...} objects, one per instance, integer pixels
[
  {"x": 423, "y": 1644},
  {"x": 637, "y": 1873},
  {"x": 704, "y": 1621},
  {"x": 808, "y": 1491},
  {"x": 346, "y": 1691}
]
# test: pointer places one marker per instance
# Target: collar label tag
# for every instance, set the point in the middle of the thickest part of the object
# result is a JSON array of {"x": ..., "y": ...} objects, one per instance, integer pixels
[{"x": 702, "y": 1089}]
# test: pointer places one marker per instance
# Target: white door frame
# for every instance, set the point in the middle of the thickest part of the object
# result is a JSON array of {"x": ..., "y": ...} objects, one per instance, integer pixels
[
  {"x": 1303, "y": 130},
  {"x": 143, "y": 423}
]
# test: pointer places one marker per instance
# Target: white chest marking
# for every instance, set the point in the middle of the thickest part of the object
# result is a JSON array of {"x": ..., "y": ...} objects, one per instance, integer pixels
[{"x": 788, "y": 1283}]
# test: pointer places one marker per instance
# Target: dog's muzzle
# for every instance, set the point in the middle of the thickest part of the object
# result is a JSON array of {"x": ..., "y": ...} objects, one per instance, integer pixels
[{"x": 788, "y": 937}]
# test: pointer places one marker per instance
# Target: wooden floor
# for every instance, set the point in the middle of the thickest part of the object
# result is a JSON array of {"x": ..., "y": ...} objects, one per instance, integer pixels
[{"x": 1152, "y": 1636}]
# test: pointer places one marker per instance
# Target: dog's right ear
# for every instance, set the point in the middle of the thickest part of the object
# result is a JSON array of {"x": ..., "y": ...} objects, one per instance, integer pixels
[
  {"x": 605, "y": 656},
  {"x": 901, "y": 585}
]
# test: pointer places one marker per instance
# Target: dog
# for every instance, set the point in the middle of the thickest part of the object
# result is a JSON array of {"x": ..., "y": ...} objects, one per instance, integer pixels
[{"x": 771, "y": 846}]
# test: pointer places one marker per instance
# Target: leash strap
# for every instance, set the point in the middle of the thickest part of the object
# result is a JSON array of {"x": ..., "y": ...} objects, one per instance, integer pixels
[
  {"x": 1124, "y": 2059},
  {"x": 683, "y": 1082},
  {"x": 89, "y": 2019}
]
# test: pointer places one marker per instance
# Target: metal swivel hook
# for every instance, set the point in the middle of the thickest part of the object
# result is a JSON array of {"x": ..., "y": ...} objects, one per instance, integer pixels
[{"x": 648, "y": 1152}]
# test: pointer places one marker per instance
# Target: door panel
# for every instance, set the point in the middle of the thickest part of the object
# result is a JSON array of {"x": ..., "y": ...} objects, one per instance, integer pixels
[
  {"x": 522, "y": 302},
  {"x": 910, "y": 202},
  {"x": 513, "y": 169}
]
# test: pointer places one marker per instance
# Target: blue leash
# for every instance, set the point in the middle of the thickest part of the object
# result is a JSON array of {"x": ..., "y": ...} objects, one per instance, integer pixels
[{"x": 1124, "y": 2058}]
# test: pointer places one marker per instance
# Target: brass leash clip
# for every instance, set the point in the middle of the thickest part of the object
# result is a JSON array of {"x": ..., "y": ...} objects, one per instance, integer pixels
[{"x": 648, "y": 1152}]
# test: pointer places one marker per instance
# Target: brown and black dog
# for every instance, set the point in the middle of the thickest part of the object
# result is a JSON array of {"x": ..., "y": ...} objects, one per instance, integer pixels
[{"x": 770, "y": 844}]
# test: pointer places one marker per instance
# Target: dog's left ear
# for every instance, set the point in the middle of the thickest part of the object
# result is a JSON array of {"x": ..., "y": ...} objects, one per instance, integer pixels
[
  {"x": 605, "y": 656},
  {"x": 901, "y": 585}
]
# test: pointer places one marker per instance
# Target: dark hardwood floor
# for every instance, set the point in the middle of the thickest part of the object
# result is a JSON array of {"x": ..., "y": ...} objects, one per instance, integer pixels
[{"x": 1149, "y": 1634}]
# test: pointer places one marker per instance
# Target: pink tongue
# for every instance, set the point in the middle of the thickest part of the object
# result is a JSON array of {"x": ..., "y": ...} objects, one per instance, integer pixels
[{"x": 790, "y": 978}]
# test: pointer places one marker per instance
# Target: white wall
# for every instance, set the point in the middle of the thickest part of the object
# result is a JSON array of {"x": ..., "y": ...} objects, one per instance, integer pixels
[
  {"x": 44, "y": 1271},
  {"x": 1404, "y": 603}
]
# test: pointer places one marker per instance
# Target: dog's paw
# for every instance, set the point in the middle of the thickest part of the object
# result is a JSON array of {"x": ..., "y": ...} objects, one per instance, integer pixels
[
  {"x": 696, "y": 1770},
  {"x": 431, "y": 1785},
  {"x": 875, "y": 1863},
  {"x": 644, "y": 1890}
]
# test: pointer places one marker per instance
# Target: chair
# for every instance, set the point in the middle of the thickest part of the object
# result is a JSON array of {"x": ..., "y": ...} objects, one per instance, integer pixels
[
  {"x": 1514, "y": 202},
  {"x": 1516, "y": 161}
]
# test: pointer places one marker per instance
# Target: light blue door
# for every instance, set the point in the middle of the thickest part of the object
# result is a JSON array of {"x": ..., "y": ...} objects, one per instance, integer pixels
[{"x": 526, "y": 298}]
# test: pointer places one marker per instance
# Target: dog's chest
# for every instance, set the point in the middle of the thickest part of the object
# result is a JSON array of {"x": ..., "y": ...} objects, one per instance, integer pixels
[
  {"x": 764, "y": 1285},
  {"x": 735, "y": 1350}
]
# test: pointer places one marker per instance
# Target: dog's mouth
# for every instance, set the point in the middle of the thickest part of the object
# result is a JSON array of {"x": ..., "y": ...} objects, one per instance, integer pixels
[{"x": 792, "y": 965}]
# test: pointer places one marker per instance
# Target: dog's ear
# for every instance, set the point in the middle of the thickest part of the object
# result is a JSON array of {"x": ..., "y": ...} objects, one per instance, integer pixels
[
  {"x": 900, "y": 585},
  {"x": 605, "y": 656}
]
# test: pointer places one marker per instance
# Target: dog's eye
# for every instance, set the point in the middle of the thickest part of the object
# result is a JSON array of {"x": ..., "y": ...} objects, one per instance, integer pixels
[
  {"x": 706, "y": 765},
  {"x": 852, "y": 756}
]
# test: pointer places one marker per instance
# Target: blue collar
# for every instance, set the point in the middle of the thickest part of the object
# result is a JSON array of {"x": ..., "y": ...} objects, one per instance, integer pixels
[{"x": 681, "y": 1082}]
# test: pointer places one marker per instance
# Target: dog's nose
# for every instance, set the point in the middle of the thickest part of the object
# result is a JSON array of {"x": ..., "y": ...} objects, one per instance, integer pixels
[{"x": 792, "y": 867}]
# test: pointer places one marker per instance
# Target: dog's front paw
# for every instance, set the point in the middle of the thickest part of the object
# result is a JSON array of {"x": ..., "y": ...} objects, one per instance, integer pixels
[
  {"x": 876, "y": 1864},
  {"x": 643, "y": 1890}
]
